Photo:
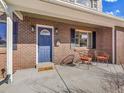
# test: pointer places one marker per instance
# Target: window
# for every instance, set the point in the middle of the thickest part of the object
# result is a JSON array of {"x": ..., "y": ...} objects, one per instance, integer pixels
[
  {"x": 84, "y": 2},
  {"x": 2, "y": 34},
  {"x": 88, "y": 3},
  {"x": 83, "y": 39},
  {"x": 94, "y": 4},
  {"x": 70, "y": 1}
]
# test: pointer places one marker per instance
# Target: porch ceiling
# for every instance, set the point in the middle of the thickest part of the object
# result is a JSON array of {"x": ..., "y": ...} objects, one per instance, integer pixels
[
  {"x": 65, "y": 11},
  {"x": 1, "y": 9}
]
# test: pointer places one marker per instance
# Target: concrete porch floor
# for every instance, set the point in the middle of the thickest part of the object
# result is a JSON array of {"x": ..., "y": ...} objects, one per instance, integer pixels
[{"x": 78, "y": 79}]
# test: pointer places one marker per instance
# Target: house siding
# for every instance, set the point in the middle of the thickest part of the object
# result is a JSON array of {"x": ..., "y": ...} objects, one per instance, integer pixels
[
  {"x": 25, "y": 54},
  {"x": 119, "y": 45}
]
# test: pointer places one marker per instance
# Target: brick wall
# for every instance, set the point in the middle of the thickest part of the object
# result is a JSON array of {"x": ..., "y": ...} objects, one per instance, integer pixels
[
  {"x": 2, "y": 52},
  {"x": 104, "y": 40},
  {"x": 2, "y": 60},
  {"x": 25, "y": 54}
]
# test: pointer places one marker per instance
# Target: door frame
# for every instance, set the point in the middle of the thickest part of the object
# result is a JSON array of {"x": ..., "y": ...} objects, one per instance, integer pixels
[{"x": 47, "y": 26}]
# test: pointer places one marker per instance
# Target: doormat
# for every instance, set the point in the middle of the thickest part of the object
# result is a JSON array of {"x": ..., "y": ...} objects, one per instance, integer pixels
[{"x": 45, "y": 68}]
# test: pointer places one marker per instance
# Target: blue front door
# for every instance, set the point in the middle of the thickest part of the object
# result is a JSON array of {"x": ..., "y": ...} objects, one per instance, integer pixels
[{"x": 44, "y": 44}]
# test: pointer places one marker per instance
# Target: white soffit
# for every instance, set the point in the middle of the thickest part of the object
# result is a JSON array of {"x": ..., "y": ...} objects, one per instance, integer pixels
[
  {"x": 1, "y": 10},
  {"x": 18, "y": 14}
]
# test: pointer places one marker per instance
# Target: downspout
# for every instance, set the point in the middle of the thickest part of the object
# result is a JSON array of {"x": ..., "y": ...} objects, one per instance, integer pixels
[
  {"x": 113, "y": 46},
  {"x": 8, "y": 12}
]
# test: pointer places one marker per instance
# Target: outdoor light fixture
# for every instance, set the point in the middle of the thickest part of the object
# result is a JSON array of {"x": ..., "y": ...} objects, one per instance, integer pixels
[
  {"x": 58, "y": 43},
  {"x": 56, "y": 30},
  {"x": 33, "y": 28}
]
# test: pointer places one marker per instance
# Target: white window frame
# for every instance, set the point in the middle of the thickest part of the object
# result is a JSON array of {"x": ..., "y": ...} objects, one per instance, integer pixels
[
  {"x": 82, "y": 4},
  {"x": 95, "y": 3},
  {"x": 81, "y": 31}
]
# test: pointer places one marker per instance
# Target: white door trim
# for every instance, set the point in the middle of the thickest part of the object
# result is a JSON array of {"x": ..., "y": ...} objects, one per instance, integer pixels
[{"x": 38, "y": 25}]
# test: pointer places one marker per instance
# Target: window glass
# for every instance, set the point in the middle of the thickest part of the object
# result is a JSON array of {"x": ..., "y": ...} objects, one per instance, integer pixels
[
  {"x": 83, "y": 39},
  {"x": 94, "y": 4},
  {"x": 2, "y": 34},
  {"x": 89, "y": 40},
  {"x": 84, "y": 2},
  {"x": 77, "y": 39},
  {"x": 88, "y": 3},
  {"x": 71, "y": 1}
]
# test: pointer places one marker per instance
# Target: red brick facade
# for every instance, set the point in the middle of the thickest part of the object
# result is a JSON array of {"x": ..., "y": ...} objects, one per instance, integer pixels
[{"x": 25, "y": 54}]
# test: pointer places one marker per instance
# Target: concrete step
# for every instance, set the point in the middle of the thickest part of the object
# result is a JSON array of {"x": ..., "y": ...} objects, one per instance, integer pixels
[{"x": 45, "y": 66}]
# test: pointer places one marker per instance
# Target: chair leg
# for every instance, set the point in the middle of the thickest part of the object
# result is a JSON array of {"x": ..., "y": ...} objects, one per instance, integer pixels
[
  {"x": 97, "y": 61},
  {"x": 79, "y": 64},
  {"x": 107, "y": 63},
  {"x": 88, "y": 65}
]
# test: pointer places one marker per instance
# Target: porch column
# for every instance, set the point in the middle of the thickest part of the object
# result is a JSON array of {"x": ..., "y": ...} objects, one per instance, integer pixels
[
  {"x": 113, "y": 46},
  {"x": 10, "y": 44},
  {"x": 9, "y": 64}
]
